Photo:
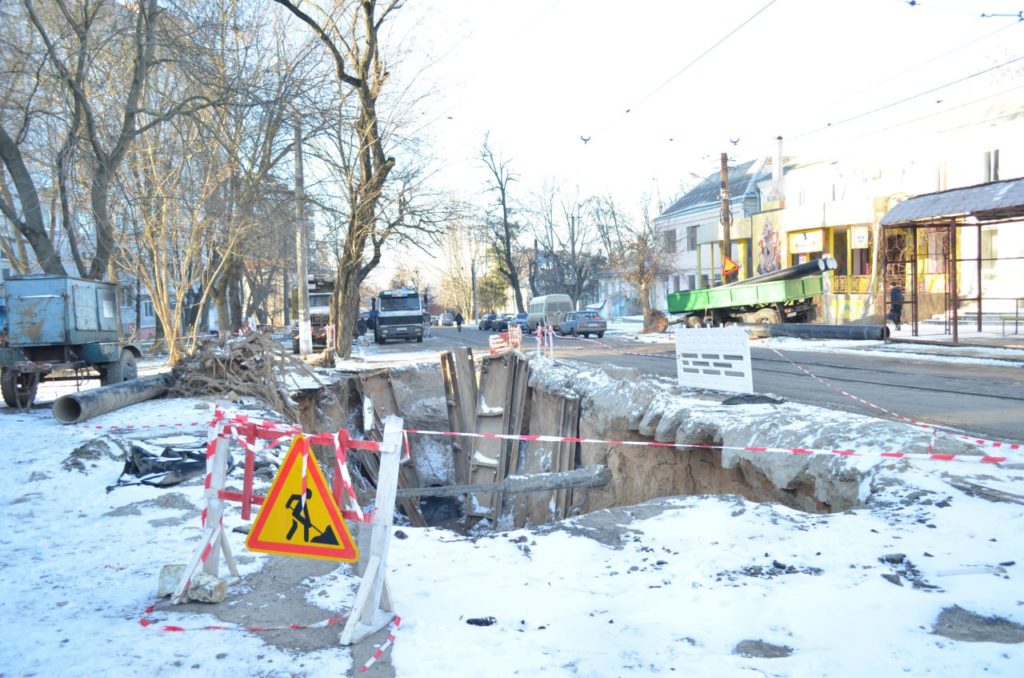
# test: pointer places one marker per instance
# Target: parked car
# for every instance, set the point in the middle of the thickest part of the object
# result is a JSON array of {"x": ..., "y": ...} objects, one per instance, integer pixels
[
  {"x": 582, "y": 323},
  {"x": 486, "y": 320},
  {"x": 521, "y": 321},
  {"x": 447, "y": 319},
  {"x": 501, "y": 323}
]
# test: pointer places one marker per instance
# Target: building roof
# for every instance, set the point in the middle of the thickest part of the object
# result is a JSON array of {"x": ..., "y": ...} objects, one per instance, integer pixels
[
  {"x": 994, "y": 201},
  {"x": 742, "y": 180}
]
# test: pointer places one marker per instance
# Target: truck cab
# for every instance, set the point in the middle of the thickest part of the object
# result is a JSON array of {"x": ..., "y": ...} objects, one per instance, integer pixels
[{"x": 399, "y": 316}]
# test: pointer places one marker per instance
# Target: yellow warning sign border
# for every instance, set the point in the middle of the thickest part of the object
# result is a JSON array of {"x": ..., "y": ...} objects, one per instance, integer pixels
[
  {"x": 345, "y": 552},
  {"x": 727, "y": 269}
]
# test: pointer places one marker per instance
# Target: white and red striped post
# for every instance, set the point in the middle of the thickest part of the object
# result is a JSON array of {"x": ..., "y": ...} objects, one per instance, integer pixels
[
  {"x": 213, "y": 541},
  {"x": 372, "y": 609}
]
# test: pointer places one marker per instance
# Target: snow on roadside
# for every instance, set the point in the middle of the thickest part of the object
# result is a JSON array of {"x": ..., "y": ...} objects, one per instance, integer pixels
[{"x": 673, "y": 585}]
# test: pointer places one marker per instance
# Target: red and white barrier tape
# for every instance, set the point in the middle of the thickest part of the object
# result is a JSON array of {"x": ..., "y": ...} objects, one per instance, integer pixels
[
  {"x": 385, "y": 645},
  {"x": 143, "y": 427},
  {"x": 913, "y": 422},
  {"x": 148, "y": 621},
  {"x": 987, "y": 459},
  {"x": 933, "y": 427}
]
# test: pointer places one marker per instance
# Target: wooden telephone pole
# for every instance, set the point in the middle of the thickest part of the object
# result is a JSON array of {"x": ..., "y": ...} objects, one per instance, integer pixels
[{"x": 726, "y": 216}]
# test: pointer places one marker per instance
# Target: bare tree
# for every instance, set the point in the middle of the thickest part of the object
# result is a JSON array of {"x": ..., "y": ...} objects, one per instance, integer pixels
[
  {"x": 97, "y": 69},
  {"x": 24, "y": 102},
  {"x": 463, "y": 250},
  {"x": 505, "y": 233},
  {"x": 358, "y": 69},
  {"x": 634, "y": 251},
  {"x": 566, "y": 245},
  {"x": 169, "y": 184}
]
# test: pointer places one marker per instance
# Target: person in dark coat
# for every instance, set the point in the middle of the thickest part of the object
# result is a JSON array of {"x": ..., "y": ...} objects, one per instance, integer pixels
[
  {"x": 896, "y": 304},
  {"x": 458, "y": 320}
]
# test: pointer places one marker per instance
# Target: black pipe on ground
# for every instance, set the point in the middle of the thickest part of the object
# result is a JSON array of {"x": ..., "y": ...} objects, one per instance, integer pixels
[
  {"x": 76, "y": 407},
  {"x": 815, "y": 331}
]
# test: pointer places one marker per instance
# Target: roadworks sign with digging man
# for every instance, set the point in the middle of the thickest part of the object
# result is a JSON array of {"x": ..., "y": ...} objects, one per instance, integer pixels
[{"x": 299, "y": 517}]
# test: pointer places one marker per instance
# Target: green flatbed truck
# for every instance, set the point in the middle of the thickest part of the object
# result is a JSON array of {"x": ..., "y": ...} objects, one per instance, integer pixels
[{"x": 774, "y": 298}]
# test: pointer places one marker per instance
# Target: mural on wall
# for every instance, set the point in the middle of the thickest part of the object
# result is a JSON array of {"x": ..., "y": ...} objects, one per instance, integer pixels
[{"x": 769, "y": 247}]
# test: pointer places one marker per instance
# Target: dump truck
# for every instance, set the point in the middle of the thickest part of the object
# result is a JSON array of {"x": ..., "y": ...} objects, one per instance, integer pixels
[
  {"x": 786, "y": 295},
  {"x": 58, "y": 324},
  {"x": 400, "y": 314}
]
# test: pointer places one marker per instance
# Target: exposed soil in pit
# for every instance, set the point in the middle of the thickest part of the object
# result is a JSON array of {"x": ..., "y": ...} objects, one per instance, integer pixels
[{"x": 634, "y": 410}]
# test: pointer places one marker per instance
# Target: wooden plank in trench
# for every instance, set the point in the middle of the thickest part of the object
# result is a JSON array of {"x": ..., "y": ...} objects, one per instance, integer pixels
[{"x": 377, "y": 385}]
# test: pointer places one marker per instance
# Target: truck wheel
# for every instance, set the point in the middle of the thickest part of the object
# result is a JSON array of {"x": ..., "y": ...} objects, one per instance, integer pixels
[
  {"x": 419, "y": 340},
  {"x": 600, "y": 335},
  {"x": 19, "y": 388},
  {"x": 125, "y": 369},
  {"x": 767, "y": 316}
]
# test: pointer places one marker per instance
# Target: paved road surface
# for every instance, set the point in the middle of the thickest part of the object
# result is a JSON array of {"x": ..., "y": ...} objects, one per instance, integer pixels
[{"x": 983, "y": 400}]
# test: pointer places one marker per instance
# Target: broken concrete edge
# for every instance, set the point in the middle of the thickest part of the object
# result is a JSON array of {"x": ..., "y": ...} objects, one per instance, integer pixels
[{"x": 624, "y": 401}]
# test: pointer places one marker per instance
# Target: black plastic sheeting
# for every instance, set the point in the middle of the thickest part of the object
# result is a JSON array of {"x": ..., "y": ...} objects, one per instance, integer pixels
[{"x": 174, "y": 465}]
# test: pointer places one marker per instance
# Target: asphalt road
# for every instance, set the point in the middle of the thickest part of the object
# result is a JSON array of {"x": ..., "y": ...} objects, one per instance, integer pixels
[{"x": 982, "y": 400}]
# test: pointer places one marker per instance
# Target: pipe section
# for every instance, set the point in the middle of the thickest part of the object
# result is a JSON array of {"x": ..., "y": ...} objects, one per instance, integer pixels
[
  {"x": 76, "y": 407},
  {"x": 798, "y": 271},
  {"x": 814, "y": 331}
]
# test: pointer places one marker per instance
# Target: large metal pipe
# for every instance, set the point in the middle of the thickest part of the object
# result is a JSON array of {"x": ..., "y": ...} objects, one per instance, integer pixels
[
  {"x": 814, "y": 331},
  {"x": 76, "y": 407},
  {"x": 798, "y": 271}
]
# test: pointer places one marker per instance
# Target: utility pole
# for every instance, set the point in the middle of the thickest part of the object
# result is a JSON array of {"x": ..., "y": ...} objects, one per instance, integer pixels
[
  {"x": 472, "y": 278},
  {"x": 302, "y": 282},
  {"x": 726, "y": 216}
]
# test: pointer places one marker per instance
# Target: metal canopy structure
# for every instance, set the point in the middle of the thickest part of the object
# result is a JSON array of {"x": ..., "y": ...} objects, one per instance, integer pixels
[{"x": 975, "y": 206}]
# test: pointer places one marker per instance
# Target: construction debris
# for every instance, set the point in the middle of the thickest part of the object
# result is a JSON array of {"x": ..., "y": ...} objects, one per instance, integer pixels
[{"x": 254, "y": 365}]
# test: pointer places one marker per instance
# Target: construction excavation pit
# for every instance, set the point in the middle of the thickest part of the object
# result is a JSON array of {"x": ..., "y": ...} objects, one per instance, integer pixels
[{"x": 505, "y": 442}]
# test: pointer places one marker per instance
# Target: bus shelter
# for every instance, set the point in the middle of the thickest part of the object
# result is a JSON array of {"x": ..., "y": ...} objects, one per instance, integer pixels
[{"x": 957, "y": 254}]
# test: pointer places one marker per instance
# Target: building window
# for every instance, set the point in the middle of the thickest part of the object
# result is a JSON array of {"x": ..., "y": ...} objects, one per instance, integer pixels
[
  {"x": 704, "y": 281},
  {"x": 676, "y": 283},
  {"x": 670, "y": 241},
  {"x": 691, "y": 282},
  {"x": 839, "y": 251},
  {"x": 691, "y": 238},
  {"x": 147, "y": 309}
]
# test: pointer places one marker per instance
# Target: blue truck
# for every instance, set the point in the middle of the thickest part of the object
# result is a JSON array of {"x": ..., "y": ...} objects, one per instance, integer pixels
[{"x": 61, "y": 324}]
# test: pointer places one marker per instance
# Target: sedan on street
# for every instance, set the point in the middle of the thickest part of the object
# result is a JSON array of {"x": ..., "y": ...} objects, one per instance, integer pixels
[{"x": 582, "y": 323}]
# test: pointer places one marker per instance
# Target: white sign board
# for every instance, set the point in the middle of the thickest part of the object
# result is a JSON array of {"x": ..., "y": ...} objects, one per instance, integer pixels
[{"x": 715, "y": 358}]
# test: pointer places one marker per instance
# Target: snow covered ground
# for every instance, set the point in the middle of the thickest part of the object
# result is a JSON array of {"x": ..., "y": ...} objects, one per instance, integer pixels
[{"x": 704, "y": 586}]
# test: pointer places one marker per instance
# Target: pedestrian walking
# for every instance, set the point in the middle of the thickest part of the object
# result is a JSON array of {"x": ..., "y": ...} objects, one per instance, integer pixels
[
  {"x": 458, "y": 320},
  {"x": 896, "y": 304}
]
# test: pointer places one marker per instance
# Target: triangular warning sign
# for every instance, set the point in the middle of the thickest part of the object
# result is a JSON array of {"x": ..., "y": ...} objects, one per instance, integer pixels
[
  {"x": 729, "y": 266},
  {"x": 299, "y": 516}
]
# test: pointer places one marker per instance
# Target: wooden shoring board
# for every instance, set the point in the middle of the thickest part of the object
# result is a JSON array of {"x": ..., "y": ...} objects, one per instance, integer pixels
[
  {"x": 515, "y": 405},
  {"x": 539, "y": 457},
  {"x": 460, "y": 397},
  {"x": 377, "y": 385},
  {"x": 491, "y": 417},
  {"x": 570, "y": 411}
]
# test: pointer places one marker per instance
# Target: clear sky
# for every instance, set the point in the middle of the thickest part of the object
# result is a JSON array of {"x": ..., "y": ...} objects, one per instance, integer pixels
[{"x": 662, "y": 87}]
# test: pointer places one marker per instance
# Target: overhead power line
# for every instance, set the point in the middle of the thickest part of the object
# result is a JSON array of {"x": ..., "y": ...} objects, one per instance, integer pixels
[
  {"x": 687, "y": 67},
  {"x": 915, "y": 96}
]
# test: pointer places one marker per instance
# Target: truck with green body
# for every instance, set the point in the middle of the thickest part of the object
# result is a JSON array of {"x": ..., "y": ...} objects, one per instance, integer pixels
[{"x": 787, "y": 295}]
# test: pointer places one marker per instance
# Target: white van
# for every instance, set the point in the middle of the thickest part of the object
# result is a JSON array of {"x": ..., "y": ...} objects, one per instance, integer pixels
[{"x": 547, "y": 310}]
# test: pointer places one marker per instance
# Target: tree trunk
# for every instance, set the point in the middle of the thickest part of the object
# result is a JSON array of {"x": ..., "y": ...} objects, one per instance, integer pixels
[{"x": 32, "y": 227}]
